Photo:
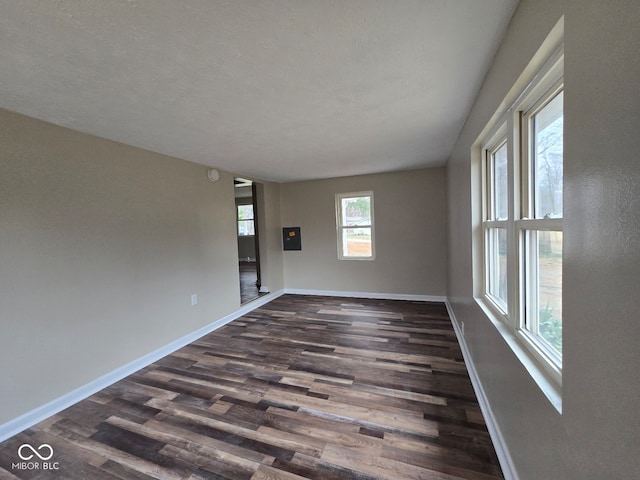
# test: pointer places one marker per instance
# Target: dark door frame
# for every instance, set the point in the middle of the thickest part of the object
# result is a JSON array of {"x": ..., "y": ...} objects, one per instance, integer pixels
[{"x": 256, "y": 236}]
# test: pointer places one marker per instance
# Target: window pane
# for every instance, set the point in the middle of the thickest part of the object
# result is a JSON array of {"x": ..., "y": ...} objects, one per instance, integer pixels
[
  {"x": 500, "y": 194},
  {"x": 497, "y": 265},
  {"x": 245, "y": 227},
  {"x": 245, "y": 212},
  {"x": 356, "y": 211},
  {"x": 356, "y": 242},
  {"x": 547, "y": 158},
  {"x": 544, "y": 285}
]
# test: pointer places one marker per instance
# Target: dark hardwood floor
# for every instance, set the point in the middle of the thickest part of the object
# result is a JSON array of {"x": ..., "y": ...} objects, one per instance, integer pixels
[{"x": 302, "y": 387}]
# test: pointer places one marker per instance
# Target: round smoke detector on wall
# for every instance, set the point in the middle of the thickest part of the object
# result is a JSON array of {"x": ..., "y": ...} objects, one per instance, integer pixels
[{"x": 213, "y": 175}]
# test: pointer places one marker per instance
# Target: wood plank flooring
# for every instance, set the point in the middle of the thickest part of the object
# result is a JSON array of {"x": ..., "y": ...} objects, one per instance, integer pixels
[
  {"x": 303, "y": 387},
  {"x": 248, "y": 278}
]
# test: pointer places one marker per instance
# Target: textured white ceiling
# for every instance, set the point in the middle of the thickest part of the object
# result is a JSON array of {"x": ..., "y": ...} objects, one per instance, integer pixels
[{"x": 280, "y": 90}]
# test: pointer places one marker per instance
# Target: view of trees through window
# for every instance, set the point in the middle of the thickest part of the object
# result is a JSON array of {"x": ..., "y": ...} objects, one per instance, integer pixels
[
  {"x": 522, "y": 219},
  {"x": 356, "y": 226},
  {"x": 547, "y": 126},
  {"x": 548, "y": 146}
]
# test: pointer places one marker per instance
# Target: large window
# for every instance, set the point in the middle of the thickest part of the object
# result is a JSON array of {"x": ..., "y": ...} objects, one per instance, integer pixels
[
  {"x": 522, "y": 166},
  {"x": 354, "y": 220}
]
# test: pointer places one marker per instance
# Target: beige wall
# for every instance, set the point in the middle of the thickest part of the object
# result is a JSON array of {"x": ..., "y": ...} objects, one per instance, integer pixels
[
  {"x": 410, "y": 225},
  {"x": 102, "y": 246},
  {"x": 269, "y": 231},
  {"x": 598, "y": 434}
]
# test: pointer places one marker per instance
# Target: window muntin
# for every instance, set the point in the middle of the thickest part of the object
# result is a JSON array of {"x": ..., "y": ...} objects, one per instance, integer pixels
[
  {"x": 354, "y": 213},
  {"x": 246, "y": 225}
]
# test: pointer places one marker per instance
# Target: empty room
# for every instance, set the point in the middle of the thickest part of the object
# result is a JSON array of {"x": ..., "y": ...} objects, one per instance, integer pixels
[{"x": 284, "y": 239}]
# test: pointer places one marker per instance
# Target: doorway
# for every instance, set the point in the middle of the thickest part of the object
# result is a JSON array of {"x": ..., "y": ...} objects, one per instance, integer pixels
[{"x": 248, "y": 239}]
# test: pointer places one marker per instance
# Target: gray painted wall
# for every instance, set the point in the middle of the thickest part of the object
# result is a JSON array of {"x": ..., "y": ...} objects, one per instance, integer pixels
[
  {"x": 269, "y": 229},
  {"x": 598, "y": 433},
  {"x": 102, "y": 247},
  {"x": 410, "y": 226}
]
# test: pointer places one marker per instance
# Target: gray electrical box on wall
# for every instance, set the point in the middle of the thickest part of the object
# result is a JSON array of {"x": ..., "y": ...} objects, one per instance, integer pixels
[{"x": 291, "y": 238}]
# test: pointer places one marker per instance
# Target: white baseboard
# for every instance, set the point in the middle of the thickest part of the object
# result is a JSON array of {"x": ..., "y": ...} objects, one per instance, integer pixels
[
  {"x": 17, "y": 425},
  {"x": 502, "y": 451},
  {"x": 383, "y": 296}
]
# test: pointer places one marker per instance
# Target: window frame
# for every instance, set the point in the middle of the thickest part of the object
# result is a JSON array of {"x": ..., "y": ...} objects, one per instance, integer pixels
[
  {"x": 546, "y": 89},
  {"x": 238, "y": 219},
  {"x": 490, "y": 222},
  {"x": 513, "y": 320},
  {"x": 340, "y": 227}
]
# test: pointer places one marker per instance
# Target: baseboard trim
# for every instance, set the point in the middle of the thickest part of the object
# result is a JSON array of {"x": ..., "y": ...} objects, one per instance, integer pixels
[
  {"x": 502, "y": 450},
  {"x": 383, "y": 296},
  {"x": 21, "y": 423}
]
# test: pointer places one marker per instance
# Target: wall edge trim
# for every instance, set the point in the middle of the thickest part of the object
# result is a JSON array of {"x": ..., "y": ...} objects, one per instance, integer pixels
[
  {"x": 502, "y": 450},
  {"x": 38, "y": 414},
  {"x": 383, "y": 296}
]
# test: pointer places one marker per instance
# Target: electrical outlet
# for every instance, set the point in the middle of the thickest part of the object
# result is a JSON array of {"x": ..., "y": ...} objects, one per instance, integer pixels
[{"x": 194, "y": 299}]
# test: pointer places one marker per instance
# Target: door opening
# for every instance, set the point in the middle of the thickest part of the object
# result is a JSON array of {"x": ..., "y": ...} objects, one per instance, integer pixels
[{"x": 248, "y": 239}]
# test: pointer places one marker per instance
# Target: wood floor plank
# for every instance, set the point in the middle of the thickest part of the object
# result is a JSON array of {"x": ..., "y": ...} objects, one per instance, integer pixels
[
  {"x": 378, "y": 467},
  {"x": 308, "y": 387},
  {"x": 265, "y": 472},
  {"x": 117, "y": 455}
]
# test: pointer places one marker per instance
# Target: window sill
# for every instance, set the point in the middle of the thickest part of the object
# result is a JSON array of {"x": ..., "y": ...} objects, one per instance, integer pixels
[{"x": 549, "y": 386}]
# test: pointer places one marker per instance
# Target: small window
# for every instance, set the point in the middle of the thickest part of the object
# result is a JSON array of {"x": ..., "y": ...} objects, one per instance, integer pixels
[
  {"x": 354, "y": 219},
  {"x": 246, "y": 227}
]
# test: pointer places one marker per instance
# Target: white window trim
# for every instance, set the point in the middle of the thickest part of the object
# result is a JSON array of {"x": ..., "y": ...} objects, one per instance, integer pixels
[
  {"x": 238, "y": 220},
  {"x": 496, "y": 140},
  {"x": 340, "y": 227},
  {"x": 544, "y": 87},
  {"x": 541, "y": 364}
]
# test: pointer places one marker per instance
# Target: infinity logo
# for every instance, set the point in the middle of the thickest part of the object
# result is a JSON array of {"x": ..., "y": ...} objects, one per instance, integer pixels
[{"x": 29, "y": 456}]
